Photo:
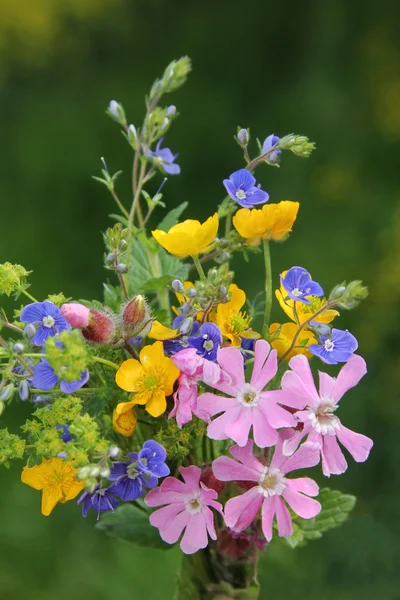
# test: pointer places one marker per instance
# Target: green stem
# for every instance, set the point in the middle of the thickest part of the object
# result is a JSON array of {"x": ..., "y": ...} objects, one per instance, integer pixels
[
  {"x": 27, "y": 294},
  {"x": 120, "y": 205},
  {"x": 199, "y": 268},
  {"x": 326, "y": 306},
  {"x": 228, "y": 222},
  {"x": 104, "y": 361},
  {"x": 268, "y": 283}
]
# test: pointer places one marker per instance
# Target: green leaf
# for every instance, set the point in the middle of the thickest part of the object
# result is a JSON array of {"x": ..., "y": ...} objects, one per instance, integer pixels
[
  {"x": 131, "y": 524},
  {"x": 172, "y": 217}
]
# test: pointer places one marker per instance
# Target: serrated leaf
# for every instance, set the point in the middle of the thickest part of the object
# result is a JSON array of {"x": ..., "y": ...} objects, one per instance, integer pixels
[
  {"x": 172, "y": 217},
  {"x": 131, "y": 524}
]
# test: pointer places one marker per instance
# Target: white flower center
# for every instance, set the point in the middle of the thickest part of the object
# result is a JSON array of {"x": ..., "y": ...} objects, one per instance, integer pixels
[
  {"x": 248, "y": 396},
  {"x": 271, "y": 482},
  {"x": 48, "y": 321},
  {"x": 297, "y": 292},
  {"x": 329, "y": 345},
  {"x": 322, "y": 418},
  {"x": 193, "y": 503},
  {"x": 208, "y": 345},
  {"x": 241, "y": 194}
]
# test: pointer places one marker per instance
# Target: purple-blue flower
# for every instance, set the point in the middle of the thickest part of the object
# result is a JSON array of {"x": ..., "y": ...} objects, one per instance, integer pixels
[
  {"x": 165, "y": 158},
  {"x": 246, "y": 346},
  {"x": 66, "y": 436},
  {"x": 270, "y": 141},
  {"x": 336, "y": 348},
  {"x": 298, "y": 284},
  {"x": 151, "y": 459},
  {"x": 47, "y": 318},
  {"x": 207, "y": 341},
  {"x": 100, "y": 500},
  {"x": 45, "y": 379},
  {"x": 241, "y": 186},
  {"x": 173, "y": 346}
]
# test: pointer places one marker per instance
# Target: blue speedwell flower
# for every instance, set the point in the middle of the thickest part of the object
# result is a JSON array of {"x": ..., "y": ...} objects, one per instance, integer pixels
[
  {"x": 45, "y": 379},
  {"x": 336, "y": 348},
  {"x": 207, "y": 341},
  {"x": 142, "y": 471},
  {"x": 173, "y": 346},
  {"x": 100, "y": 500},
  {"x": 241, "y": 186},
  {"x": 48, "y": 319},
  {"x": 164, "y": 158},
  {"x": 269, "y": 142},
  {"x": 298, "y": 284}
]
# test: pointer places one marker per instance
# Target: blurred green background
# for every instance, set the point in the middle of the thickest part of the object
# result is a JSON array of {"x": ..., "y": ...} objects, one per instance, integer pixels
[{"x": 328, "y": 69}]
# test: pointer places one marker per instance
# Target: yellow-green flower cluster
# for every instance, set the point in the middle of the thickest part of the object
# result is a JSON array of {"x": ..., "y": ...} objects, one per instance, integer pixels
[
  {"x": 12, "y": 278},
  {"x": 68, "y": 358},
  {"x": 11, "y": 447}
]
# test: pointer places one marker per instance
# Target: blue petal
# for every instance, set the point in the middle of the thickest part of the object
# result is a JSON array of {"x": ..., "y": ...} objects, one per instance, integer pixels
[
  {"x": 254, "y": 196},
  {"x": 103, "y": 501},
  {"x": 44, "y": 377},
  {"x": 118, "y": 469},
  {"x": 42, "y": 334},
  {"x": 344, "y": 340},
  {"x": 69, "y": 387},
  {"x": 171, "y": 168},
  {"x": 86, "y": 501},
  {"x": 323, "y": 354},
  {"x": 243, "y": 180},
  {"x": 127, "y": 489},
  {"x": 51, "y": 309},
  {"x": 33, "y": 313},
  {"x": 314, "y": 289},
  {"x": 230, "y": 188},
  {"x": 213, "y": 331},
  {"x": 270, "y": 141}
]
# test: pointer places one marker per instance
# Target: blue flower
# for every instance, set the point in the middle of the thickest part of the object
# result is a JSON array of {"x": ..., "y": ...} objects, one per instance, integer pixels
[
  {"x": 66, "y": 436},
  {"x": 207, "y": 341},
  {"x": 100, "y": 500},
  {"x": 247, "y": 344},
  {"x": 270, "y": 141},
  {"x": 173, "y": 346},
  {"x": 241, "y": 186},
  {"x": 151, "y": 459},
  {"x": 164, "y": 158},
  {"x": 298, "y": 284},
  {"x": 48, "y": 319},
  {"x": 336, "y": 348},
  {"x": 45, "y": 379}
]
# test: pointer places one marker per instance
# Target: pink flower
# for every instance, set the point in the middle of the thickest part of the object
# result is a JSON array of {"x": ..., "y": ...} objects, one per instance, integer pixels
[
  {"x": 76, "y": 314},
  {"x": 187, "y": 509},
  {"x": 248, "y": 405},
  {"x": 193, "y": 368},
  {"x": 272, "y": 489},
  {"x": 321, "y": 424}
]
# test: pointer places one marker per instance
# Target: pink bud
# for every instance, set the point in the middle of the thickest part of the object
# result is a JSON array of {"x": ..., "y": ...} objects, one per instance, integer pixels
[
  {"x": 101, "y": 328},
  {"x": 76, "y": 314}
]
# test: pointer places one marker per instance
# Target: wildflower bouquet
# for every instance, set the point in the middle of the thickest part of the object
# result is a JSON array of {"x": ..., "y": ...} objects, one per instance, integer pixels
[{"x": 168, "y": 411}]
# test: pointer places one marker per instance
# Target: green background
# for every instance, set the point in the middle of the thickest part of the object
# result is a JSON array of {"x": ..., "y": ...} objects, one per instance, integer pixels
[{"x": 328, "y": 69}]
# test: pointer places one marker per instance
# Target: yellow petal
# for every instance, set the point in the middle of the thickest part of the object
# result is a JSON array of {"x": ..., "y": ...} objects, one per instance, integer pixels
[
  {"x": 206, "y": 233},
  {"x": 284, "y": 305},
  {"x": 170, "y": 375},
  {"x": 189, "y": 227},
  {"x": 158, "y": 331},
  {"x": 157, "y": 405},
  {"x": 75, "y": 488},
  {"x": 50, "y": 497},
  {"x": 128, "y": 373},
  {"x": 33, "y": 476},
  {"x": 125, "y": 422},
  {"x": 285, "y": 338},
  {"x": 280, "y": 218},
  {"x": 124, "y": 407},
  {"x": 151, "y": 356}
]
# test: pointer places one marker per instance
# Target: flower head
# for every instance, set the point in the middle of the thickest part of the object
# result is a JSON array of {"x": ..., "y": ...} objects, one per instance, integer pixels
[
  {"x": 100, "y": 500},
  {"x": 272, "y": 490},
  {"x": 186, "y": 509},
  {"x": 298, "y": 284},
  {"x": 282, "y": 337},
  {"x": 77, "y": 315},
  {"x": 124, "y": 419},
  {"x": 317, "y": 412},
  {"x": 56, "y": 478},
  {"x": 272, "y": 222},
  {"x": 188, "y": 238},
  {"x": 247, "y": 405},
  {"x": 48, "y": 319},
  {"x": 150, "y": 380},
  {"x": 164, "y": 158},
  {"x": 241, "y": 186},
  {"x": 232, "y": 321},
  {"x": 207, "y": 341},
  {"x": 304, "y": 311},
  {"x": 45, "y": 379},
  {"x": 335, "y": 348}
]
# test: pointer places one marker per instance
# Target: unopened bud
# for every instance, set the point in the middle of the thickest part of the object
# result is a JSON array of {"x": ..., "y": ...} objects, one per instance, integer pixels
[
  {"x": 101, "y": 328},
  {"x": 191, "y": 292},
  {"x": 122, "y": 268},
  {"x": 110, "y": 258},
  {"x": 353, "y": 294},
  {"x": 18, "y": 348},
  {"x": 209, "y": 479},
  {"x": 165, "y": 123},
  {"x": 123, "y": 244},
  {"x": 177, "y": 286},
  {"x": 322, "y": 329},
  {"x": 116, "y": 112},
  {"x": 171, "y": 110},
  {"x": 7, "y": 392},
  {"x": 105, "y": 472},
  {"x": 134, "y": 312},
  {"x": 76, "y": 314},
  {"x": 132, "y": 136},
  {"x": 185, "y": 308},
  {"x": 94, "y": 471},
  {"x": 62, "y": 455},
  {"x": 224, "y": 256},
  {"x": 84, "y": 473},
  {"x": 223, "y": 290},
  {"x": 186, "y": 326},
  {"x": 23, "y": 390},
  {"x": 243, "y": 137},
  {"x": 113, "y": 451},
  {"x": 30, "y": 331}
]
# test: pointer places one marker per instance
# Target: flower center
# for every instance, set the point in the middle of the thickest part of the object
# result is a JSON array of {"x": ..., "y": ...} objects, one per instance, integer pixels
[
  {"x": 248, "y": 396},
  {"x": 271, "y": 482},
  {"x": 322, "y": 418},
  {"x": 208, "y": 345},
  {"x": 193, "y": 504},
  {"x": 132, "y": 471},
  {"x": 239, "y": 322},
  {"x": 150, "y": 382},
  {"x": 329, "y": 345},
  {"x": 297, "y": 292},
  {"x": 241, "y": 194},
  {"x": 48, "y": 321}
]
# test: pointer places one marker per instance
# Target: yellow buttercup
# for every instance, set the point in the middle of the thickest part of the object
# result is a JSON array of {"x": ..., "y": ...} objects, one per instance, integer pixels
[
  {"x": 189, "y": 238},
  {"x": 272, "y": 222}
]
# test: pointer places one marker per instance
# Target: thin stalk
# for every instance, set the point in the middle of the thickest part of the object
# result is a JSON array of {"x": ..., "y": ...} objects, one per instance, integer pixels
[
  {"x": 199, "y": 268},
  {"x": 304, "y": 324},
  {"x": 119, "y": 203},
  {"x": 268, "y": 283},
  {"x": 104, "y": 361},
  {"x": 27, "y": 294}
]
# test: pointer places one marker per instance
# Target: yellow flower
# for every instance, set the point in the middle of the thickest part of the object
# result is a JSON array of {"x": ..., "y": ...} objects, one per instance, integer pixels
[
  {"x": 150, "y": 380},
  {"x": 56, "y": 478},
  {"x": 272, "y": 222},
  {"x": 188, "y": 238},
  {"x": 234, "y": 323},
  {"x": 285, "y": 337},
  {"x": 304, "y": 311},
  {"x": 124, "y": 419},
  {"x": 159, "y": 331}
]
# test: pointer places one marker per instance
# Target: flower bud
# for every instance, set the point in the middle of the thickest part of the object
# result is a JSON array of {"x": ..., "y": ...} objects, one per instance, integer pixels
[
  {"x": 110, "y": 258},
  {"x": 23, "y": 390},
  {"x": 84, "y": 472},
  {"x": 76, "y": 314},
  {"x": 191, "y": 292},
  {"x": 105, "y": 472},
  {"x": 177, "y": 286},
  {"x": 41, "y": 399},
  {"x": 101, "y": 328},
  {"x": 134, "y": 312},
  {"x": 62, "y": 455},
  {"x": 322, "y": 329},
  {"x": 243, "y": 137},
  {"x": 222, "y": 290},
  {"x": 94, "y": 471},
  {"x": 185, "y": 308},
  {"x": 122, "y": 268},
  {"x": 132, "y": 136},
  {"x": 113, "y": 451},
  {"x": 30, "y": 331},
  {"x": 186, "y": 326},
  {"x": 224, "y": 256},
  {"x": 123, "y": 244},
  {"x": 7, "y": 392},
  {"x": 116, "y": 112},
  {"x": 171, "y": 110},
  {"x": 18, "y": 348}
]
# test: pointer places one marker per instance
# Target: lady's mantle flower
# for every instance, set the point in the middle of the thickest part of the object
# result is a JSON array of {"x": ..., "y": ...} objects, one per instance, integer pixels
[
  {"x": 272, "y": 222},
  {"x": 282, "y": 337},
  {"x": 248, "y": 405},
  {"x": 241, "y": 186},
  {"x": 150, "y": 380},
  {"x": 298, "y": 284},
  {"x": 272, "y": 489},
  {"x": 304, "y": 311},
  {"x": 45, "y": 379},
  {"x": 56, "y": 478},
  {"x": 317, "y": 412},
  {"x": 207, "y": 341},
  {"x": 100, "y": 500},
  {"x": 188, "y": 238},
  {"x": 142, "y": 471},
  {"x": 234, "y": 323},
  {"x": 164, "y": 158},
  {"x": 48, "y": 319},
  {"x": 187, "y": 509},
  {"x": 335, "y": 348}
]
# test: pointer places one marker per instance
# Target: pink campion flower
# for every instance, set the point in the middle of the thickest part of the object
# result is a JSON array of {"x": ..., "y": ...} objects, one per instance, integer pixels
[
  {"x": 271, "y": 490},
  {"x": 193, "y": 368},
  {"x": 76, "y": 314},
  {"x": 187, "y": 510},
  {"x": 320, "y": 423},
  {"x": 248, "y": 405}
]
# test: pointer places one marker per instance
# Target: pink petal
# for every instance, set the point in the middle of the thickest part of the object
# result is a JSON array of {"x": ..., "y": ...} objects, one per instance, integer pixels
[
  {"x": 248, "y": 515},
  {"x": 305, "y": 507},
  {"x": 216, "y": 429},
  {"x": 209, "y": 519},
  {"x": 350, "y": 374},
  {"x": 213, "y": 404},
  {"x": 305, "y": 485},
  {"x": 276, "y": 415},
  {"x": 333, "y": 461},
  {"x": 184, "y": 399},
  {"x": 264, "y": 435},
  {"x": 267, "y": 516},
  {"x": 245, "y": 455},
  {"x": 306, "y": 456},
  {"x": 175, "y": 527},
  {"x": 191, "y": 475},
  {"x": 211, "y": 372},
  {"x": 303, "y": 385},
  {"x": 265, "y": 364},
  {"x": 285, "y": 526},
  {"x": 239, "y": 430},
  {"x": 287, "y": 398},
  {"x": 227, "y": 469},
  {"x": 326, "y": 385},
  {"x": 291, "y": 444},
  {"x": 163, "y": 517},
  {"x": 357, "y": 444},
  {"x": 171, "y": 490},
  {"x": 195, "y": 536},
  {"x": 231, "y": 361},
  {"x": 238, "y": 505}
]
